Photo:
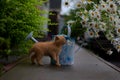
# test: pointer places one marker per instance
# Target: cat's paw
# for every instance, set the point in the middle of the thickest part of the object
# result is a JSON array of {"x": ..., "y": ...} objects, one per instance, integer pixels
[{"x": 59, "y": 65}]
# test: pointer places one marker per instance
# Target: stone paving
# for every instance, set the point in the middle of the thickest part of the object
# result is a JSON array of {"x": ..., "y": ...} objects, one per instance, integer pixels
[{"x": 86, "y": 67}]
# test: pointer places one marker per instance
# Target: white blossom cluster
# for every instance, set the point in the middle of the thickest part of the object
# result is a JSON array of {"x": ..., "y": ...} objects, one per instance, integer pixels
[{"x": 104, "y": 17}]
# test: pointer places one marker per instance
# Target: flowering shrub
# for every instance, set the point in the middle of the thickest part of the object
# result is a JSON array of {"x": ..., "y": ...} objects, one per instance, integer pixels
[
  {"x": 17, "y": 19},
  {"x": 93, "y": 18}
]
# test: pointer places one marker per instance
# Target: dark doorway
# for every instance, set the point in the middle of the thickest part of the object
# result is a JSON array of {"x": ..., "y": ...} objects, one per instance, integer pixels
[{"x": 53, "y": 23}]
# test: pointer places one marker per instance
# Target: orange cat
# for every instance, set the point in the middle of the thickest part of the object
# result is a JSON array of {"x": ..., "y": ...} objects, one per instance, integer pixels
[{"x": 51, "y": 48}]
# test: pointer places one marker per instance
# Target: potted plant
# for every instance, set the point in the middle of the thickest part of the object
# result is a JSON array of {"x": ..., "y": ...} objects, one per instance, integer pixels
[{"x": 91, "y": 17}]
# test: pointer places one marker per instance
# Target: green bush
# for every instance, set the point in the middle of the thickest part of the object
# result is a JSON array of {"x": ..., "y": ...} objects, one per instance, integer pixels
[{"x": 17, "y": 19}]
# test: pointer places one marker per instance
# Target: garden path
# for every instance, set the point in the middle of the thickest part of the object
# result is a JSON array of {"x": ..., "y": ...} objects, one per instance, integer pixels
[{"x": 87, "y": 66}]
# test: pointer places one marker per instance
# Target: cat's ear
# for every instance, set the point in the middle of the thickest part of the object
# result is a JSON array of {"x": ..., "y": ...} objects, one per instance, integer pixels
[{"x": 56, "y": 38}]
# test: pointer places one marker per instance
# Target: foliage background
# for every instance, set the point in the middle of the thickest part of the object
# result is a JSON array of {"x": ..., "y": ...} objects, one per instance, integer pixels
[{"x": 17, "y": 19}]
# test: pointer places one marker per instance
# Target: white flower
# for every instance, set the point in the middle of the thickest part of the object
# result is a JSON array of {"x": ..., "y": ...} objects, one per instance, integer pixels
[
  {"x": 103, "y": 6},
  {"x": 118, "y": 50},
  {"x": 102, "y": 26},
  {"x": 90, "y": 33},
  {"x": 101, "y": 1},
  {"x": 79, "y": 5},
  {"x": 85, "y": 2},
  {"x": 96, "y": 35},
  {"x": 109, "y": 52},
  {"x": 118, "y": 31},
  {"x": 119, "y": 2},
  {"x": 117, "y": 46},
  {"x": 89, "y": 2},
  {"x": 66, "y": 3},
  {"x": 66, "y": 6},
  {"x": 97, "y": 15},
  {"x": 115, "y": 42},
  {"x": 92, "y": 24},
  {"x": 70, "y": 22},
  {"x": 117, "y": 21},
  {"x": 91, "y": 13},
  {"x": 79, "y": 13},
  {"x": 108, "y": 10},
  {"x": 85, "y": 11},
  {"x": 111, "y": 18},
  {"x": 96, "y": 6},
  {"x": 109, "y": 36},
  {"x": 96, "y": 26},
  {"x": 112, "y": 7},
  {"x": 82, "y": 1},
  {"x": 85, "y": 18},
  {"x": 84, "y": 23}
]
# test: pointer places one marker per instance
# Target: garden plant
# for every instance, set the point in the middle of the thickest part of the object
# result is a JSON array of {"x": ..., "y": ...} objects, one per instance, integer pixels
[
  {"x": 89, "y": 17},
  {"x": 17, "y": 19}
]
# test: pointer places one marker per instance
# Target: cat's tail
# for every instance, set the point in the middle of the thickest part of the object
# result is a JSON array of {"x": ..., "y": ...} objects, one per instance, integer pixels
[
  {"x": 32, "y": 56},
  {"x": 31, "y": 53}
]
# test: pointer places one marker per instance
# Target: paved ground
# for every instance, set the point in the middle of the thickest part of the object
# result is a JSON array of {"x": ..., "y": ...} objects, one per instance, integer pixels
[{"x": 86, "y": 67}]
